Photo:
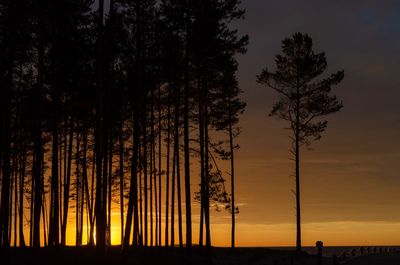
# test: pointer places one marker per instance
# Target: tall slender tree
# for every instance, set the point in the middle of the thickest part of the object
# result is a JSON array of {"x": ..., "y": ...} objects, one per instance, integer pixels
[
  {"x": 304, "y": 98},
  {"x": 226, "y": 113}
]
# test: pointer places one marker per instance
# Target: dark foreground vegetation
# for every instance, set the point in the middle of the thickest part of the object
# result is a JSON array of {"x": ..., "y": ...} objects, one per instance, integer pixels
[{"x": 120, "y": 107}]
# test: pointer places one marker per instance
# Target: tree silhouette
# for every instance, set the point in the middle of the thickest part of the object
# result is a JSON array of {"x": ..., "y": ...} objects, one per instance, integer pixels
[
  {"x": 304, "y": 98},
  {"x": 212, "y": 42},
  {"x": 102, "y": 101},
  {"x": 226, "y": 112}
]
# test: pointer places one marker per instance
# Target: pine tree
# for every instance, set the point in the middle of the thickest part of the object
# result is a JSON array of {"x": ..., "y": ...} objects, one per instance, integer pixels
[
  {"x": 304, "y": 98},
  {"x": 227, "y": 109}
]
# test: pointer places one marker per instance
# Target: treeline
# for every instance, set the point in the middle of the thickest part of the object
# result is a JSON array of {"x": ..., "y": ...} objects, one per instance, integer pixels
[{"x": 116, "y": 103}]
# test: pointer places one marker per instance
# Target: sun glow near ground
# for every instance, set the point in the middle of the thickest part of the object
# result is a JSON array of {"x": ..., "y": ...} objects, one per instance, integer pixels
[{"x": 269, "y": 235}]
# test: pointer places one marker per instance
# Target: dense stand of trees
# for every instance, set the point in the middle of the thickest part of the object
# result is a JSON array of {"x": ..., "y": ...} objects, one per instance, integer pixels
[{"x": 116, "y": 103}]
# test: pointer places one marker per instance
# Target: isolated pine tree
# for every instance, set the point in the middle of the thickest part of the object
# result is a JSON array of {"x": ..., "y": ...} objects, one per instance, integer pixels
[{"x": 304, "y": 98}]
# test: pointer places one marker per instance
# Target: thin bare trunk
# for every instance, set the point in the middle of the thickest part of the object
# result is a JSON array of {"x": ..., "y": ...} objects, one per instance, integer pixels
[
  {"x": 54, "y": 196},
  {"x": 44, "y": 213},
  {"x": 21, "y": 196},
  {"x": 173, "y": 197},
  {"x": 78, "y": 232},
  {"x": 110, "y": 160},
  {"x": 233, "y": 207},
  {"x": 167, "y": 175},
  {"x": 121, "y": 179},
  {"x": 297, "y": 163},
  {"x": 141, "y": 202},
  {"x": 202, "y": 181},
  {"x": 186, "y": 135},
  {"x": 159, "y": 165},
  {"x": 67, "y": 184},
  {"x": 177, "y": 161},
  {"x": 91, "y": 202},
  {"x": 151, "y": 165},
  {"x": 13, "y": 203},
  {"x": 145, "y": 177},
  {"x": 37, "y": 172},
  {"x": 133, "y": 190},
  {"x": 206, "y": 173}
]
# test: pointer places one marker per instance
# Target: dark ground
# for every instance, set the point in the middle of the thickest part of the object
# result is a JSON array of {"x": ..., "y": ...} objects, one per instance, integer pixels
[
  {"x": 167, "y": 256},
  {"x": 150, "y": 256},
  {"x": 381, "y": 259},
  {"x": 174, "y": 256}
]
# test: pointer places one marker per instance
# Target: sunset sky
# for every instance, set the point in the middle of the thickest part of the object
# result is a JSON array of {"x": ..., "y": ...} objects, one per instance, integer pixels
[{"x": 350, "y": 180}]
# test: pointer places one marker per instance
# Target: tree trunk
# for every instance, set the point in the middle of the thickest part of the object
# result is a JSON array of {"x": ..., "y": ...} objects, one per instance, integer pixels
[
  {"x": 206, "y": 173},
  {"x": 110, "y": 160},
  {"x": 78, "y": 231},
  {"x": 151, "y": 166},
  {"x": 62, "y": 141},
  {"x": 233, "y": 209},
  {"x": 21, "y": 196},
  {"x": 167, "y": 174},
  {"x": 5, "y": 122},
  {"x": 159, "y": 165},
  {"x": 54, "y": 218},
  {"x": 90, "y": 199},
  {"x": 177, "y": 160},
  {"x": 202, "y": 166},
  {"x": 155, "y": 191},
  {"x": 186, "y": 137},
  {"x": 145, "y": 177},
  {"x": 67, "y": 184},
  {"x": 133, "y": 189},
  {"x": 173, "y": 196},
  {"x": 121, "y": 178},
  {"x": 31, "y": 205},
  {"x": 6, "y": 168},
  {"x": 37, "y": 172},
  {"x": 140, "y": 206},
  {"x": 15, "y": 181},
  {"x": 141, "y": 199},
  {"x": 85, "y": 186},
  {"x": 297, "y": 161},
  {"x": 82, "y": 207},
  {"x": 44, "y": 213},
  {"x": 104, "y": 198},
  {"x": 101, "y": 145}
]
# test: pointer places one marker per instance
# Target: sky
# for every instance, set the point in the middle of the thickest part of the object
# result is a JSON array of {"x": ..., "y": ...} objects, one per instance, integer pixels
[{"x": 350, "y": 179}]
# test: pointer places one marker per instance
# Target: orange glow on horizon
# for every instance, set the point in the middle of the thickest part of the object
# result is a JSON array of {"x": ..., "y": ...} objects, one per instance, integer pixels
[{"x": 276, "y": 235}]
